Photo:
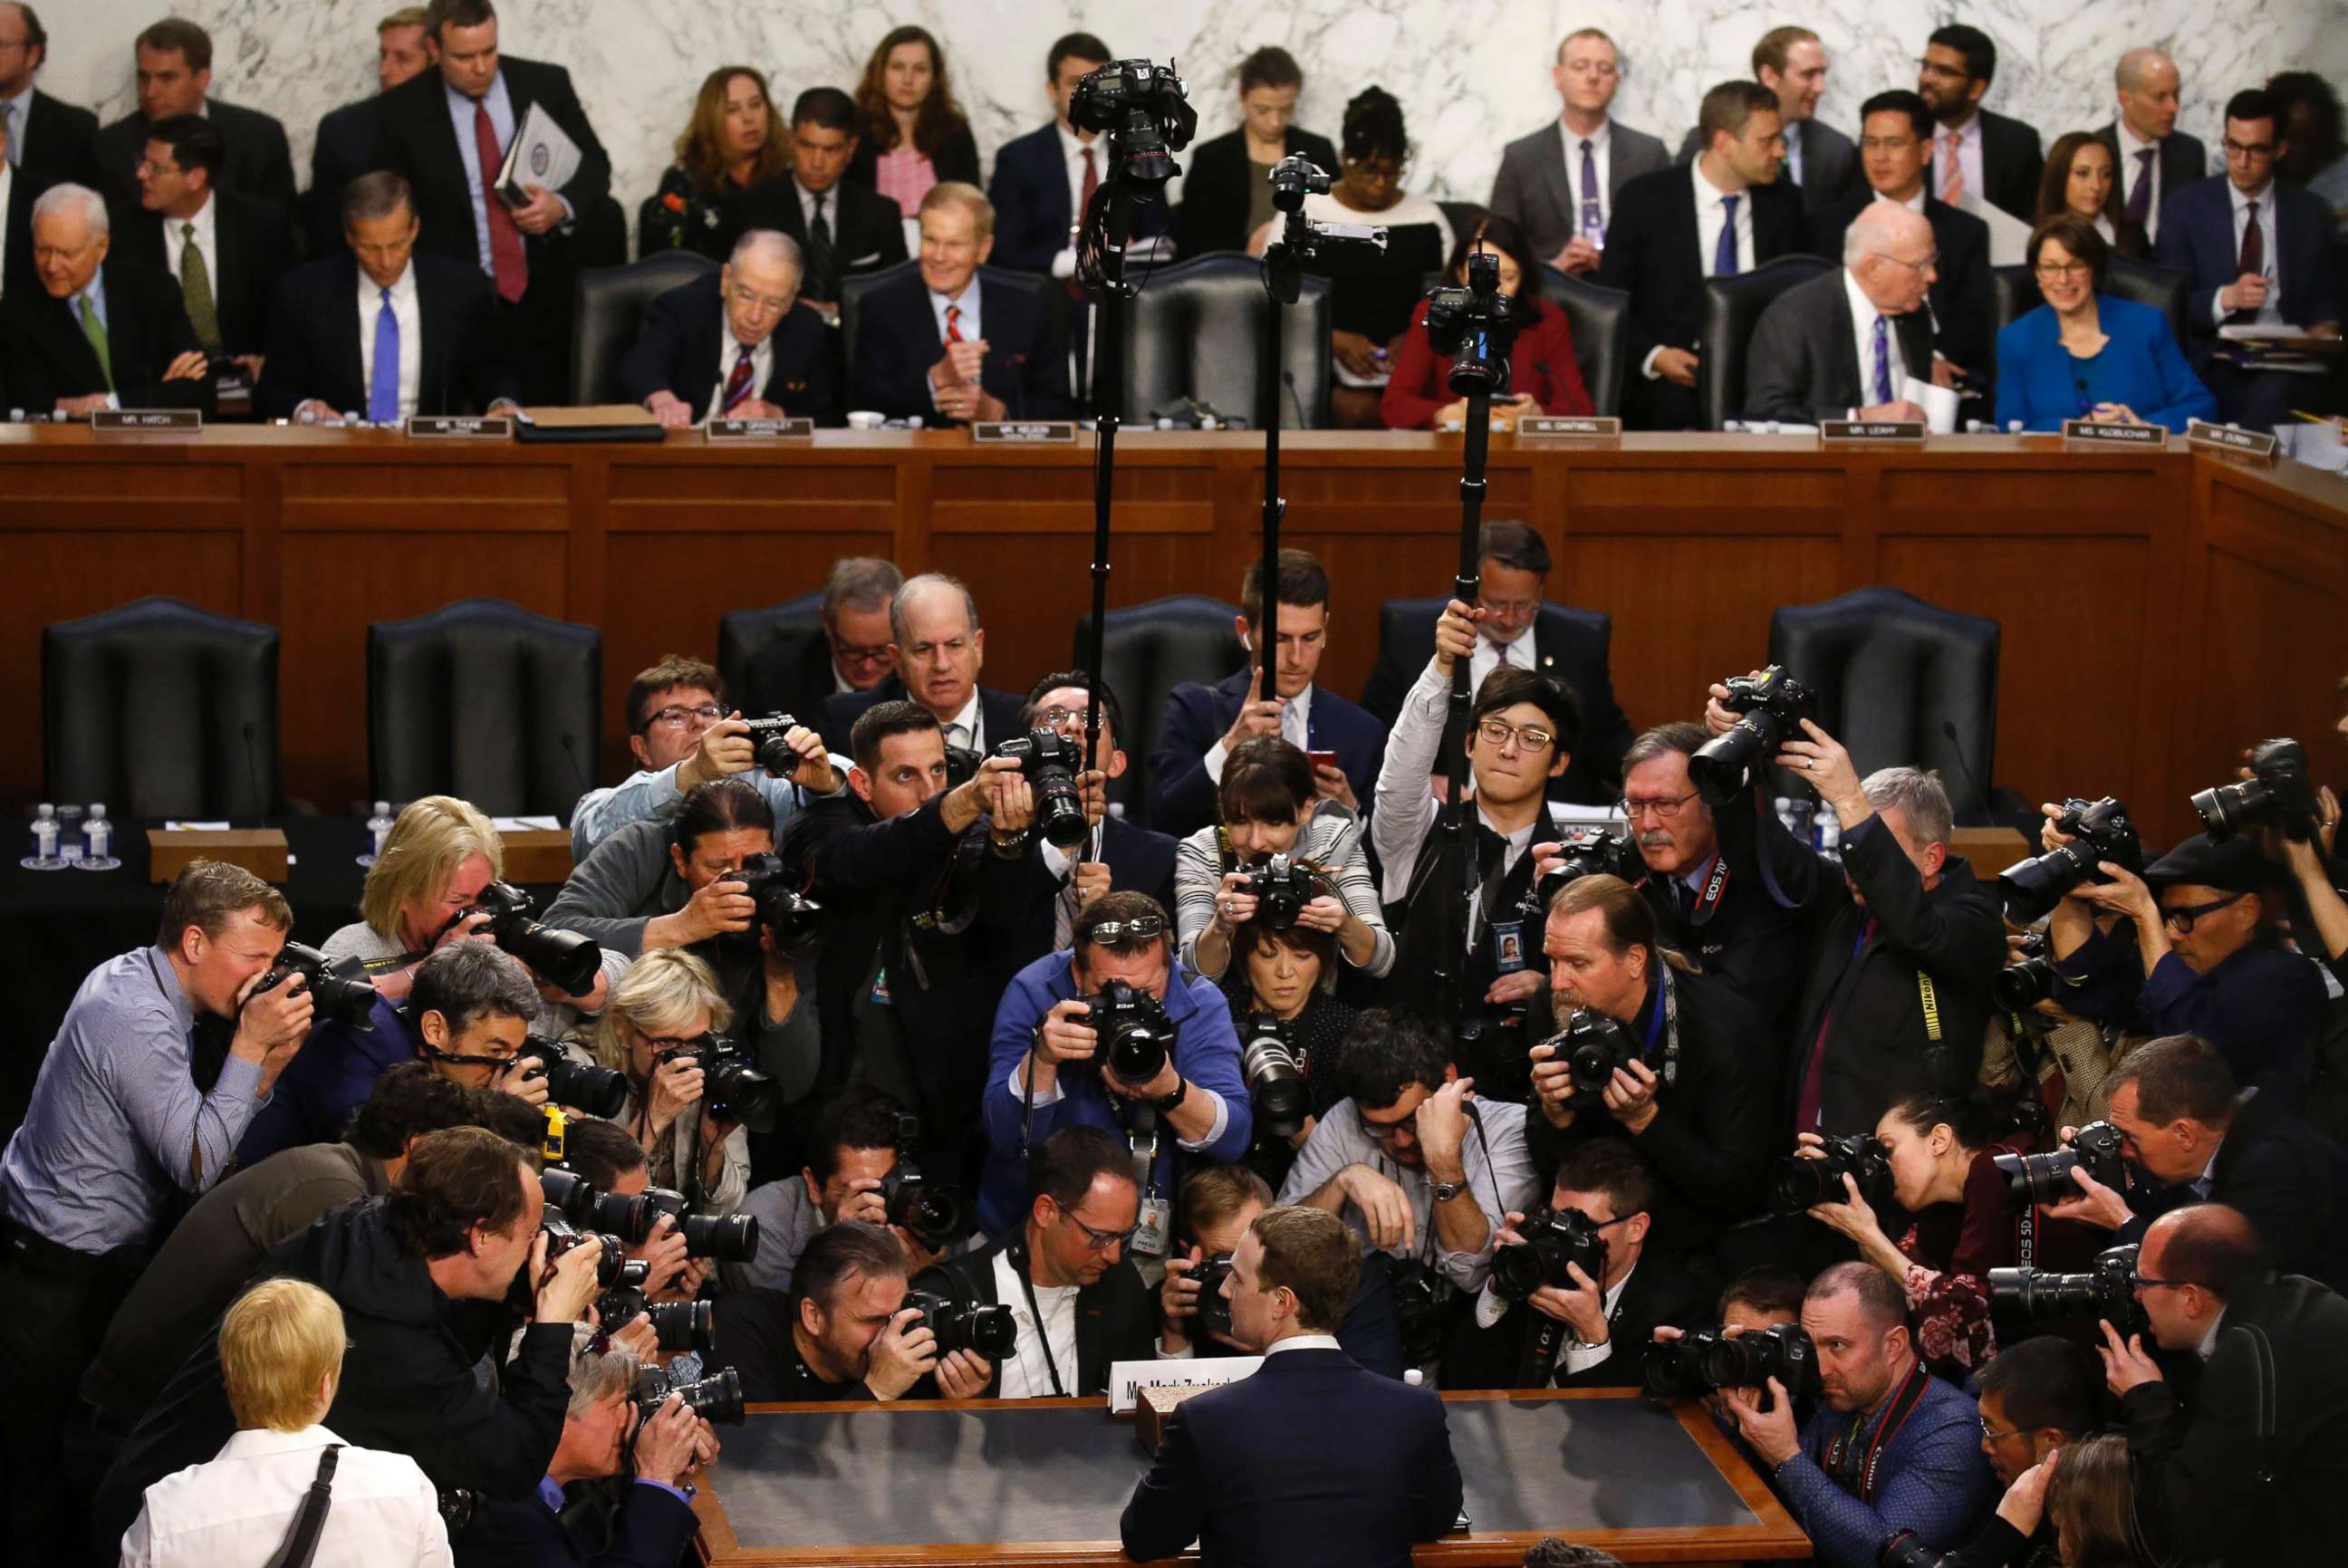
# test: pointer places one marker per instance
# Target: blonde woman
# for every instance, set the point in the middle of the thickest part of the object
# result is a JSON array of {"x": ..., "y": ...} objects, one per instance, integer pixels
[{"x": 668, "y": 1001}]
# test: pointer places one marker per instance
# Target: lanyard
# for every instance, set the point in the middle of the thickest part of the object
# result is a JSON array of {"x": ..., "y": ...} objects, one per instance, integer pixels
[
  {"x": 1043, "y": 1329},
  {"x": 1895, "y": 1416},
  {"x": 1664, "y": 1020}
]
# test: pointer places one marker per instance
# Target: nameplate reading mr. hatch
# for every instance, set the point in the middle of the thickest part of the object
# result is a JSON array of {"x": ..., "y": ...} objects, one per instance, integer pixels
[
  {"x": 2155, "y": 436},
  {"x": 1832, "y": 430},
  {"x": 761, "y": 429},
  {"x": 442, "y": 426},
  {"x": 2226, "y": 438},
  {"x": 1025, "y": 432},
  {"x": 1544, "y": 427},
  {"x": 144, "y": 420}
]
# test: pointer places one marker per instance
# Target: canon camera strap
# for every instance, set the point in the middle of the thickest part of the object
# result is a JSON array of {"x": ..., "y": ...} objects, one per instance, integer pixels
[
  {"x": 1895, "y": 1416},
  {"x": 1667, "y": 1019},
  {"x": 301, "y": 1542}
]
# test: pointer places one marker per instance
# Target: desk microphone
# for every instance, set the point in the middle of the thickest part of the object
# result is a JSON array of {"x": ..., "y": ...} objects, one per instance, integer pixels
[
  {"x": 1288, "y": 380},
  {"x": 1949, "y": 730},
  {"x": 253, "y": 776},
  {"x": 570, "y": 749}
]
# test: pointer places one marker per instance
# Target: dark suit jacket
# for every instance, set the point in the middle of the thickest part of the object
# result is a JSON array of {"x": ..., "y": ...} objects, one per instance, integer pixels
[
  {"x": 1564, "y": 647},
  {"x": 1961, "y": 298},
  {"x": 868, "y": 232},
  {"x": 2285, "y": 1174},
  {"x": 23, "y": 191},
  {"x": 684, "y": 336},
  {"x": 1182, "y": 796},
  {"x": 2197, "y": 233},
  {"x": 255, "y": 245},
  {"x": 1117, "y": 1318},
  {"x": 1536, "y": 189},
  {"x": 1231, "y": 1473},
  {"x": 957, "y": 160},
  {"x": 2013, "y": 163},
  {"x": 1659, "y": 1293},
  {"x": 1802, "y": 362},
  {"x": 898, "y": 341},
  {"x": 1830, "y": 166},
  {"x": 349, "y": 144},
  {"x": 998, "y": 713},
  {"x": 44, "y": 355},
  {"x": 1031, "y": 196},
  {"x": 1138, "y": 861},
  {"x": 2183, "y": 161},
  {"x": 653, "y": 1528},
  {"x": 257, "y": 162},
  {"x": 61, "y": 144},
  {"x": 1216, "y": 184},
  {"x": 314, "y": 340}
]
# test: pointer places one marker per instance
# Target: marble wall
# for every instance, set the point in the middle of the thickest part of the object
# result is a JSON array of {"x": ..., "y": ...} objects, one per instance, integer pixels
[{"x": 1472, "y": 74}]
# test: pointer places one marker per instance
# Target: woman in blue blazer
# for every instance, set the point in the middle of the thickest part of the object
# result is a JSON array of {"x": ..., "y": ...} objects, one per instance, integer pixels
[{"x": 2085, "y": 355}]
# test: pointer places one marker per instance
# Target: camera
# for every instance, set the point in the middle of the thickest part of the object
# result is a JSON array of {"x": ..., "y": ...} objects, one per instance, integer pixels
[
  {"x": 2107, "y": 1290},
  {"x": 1135, "y": 1032},
  {"x": 1214, "y": 1312},
  {"x": 790, "y": 917},
  {"x": 627, "y": 1218},
  {"x": 2022, "y": 987},
  {"x": 1050, "y": 762},
  {"x": 2278, "y": 790},
  {"x": 962, "y": 764},
  {"x": 1585, "y": 851},
  {"x": 676, "y": 1324},
  {"x": 728, "y": 1238},
  {"x": 562, "y": 958},
  {"x": 1673, "y": 1368},
  {"x": 1774, "y": 704},
  {"x": 611, "y": 1269},
  {"x": 457, "y": 1506},
  {"x": 716, "y": 1398},
  {"x": 731, "y": 1086},
  {"x": 1282, "y": 890},
  {"x": 936, "y": 1216},
  {"x": 1706, "y": 1359},
  {"x": 1553, "y": 1240},
  {"x": 960, "y": 1323},
  {"x": 771, "y": 750},
  {"x": 1273, "y": 1064},
  {"x": 1593, "y": 1044},
  {"x": 1475, "y": 324},
  {"x": 1294, "y": 178},
  {"x": 2100, "y": 830},
  {"x": 2046, "y": 1178},
  {"x": 1146, "y": 112},
  {"x": 1802, "y": 1183},
  {"x": 1418, "y": 1305},
  {"x": 339, "y": 991},
  {"x": 598, "y": 1092}
]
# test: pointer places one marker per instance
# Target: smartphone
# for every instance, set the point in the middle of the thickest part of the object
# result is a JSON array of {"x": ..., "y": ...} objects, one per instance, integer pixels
[{"x": 1320, "y": 759}]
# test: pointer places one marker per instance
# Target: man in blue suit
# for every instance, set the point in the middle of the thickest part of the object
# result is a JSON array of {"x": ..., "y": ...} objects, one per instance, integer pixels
[
  {"x": 1202, "y": 723},
  {"x": 1230, "y": 1472},
  {"x": 1042, "y": 178},
  {"x": 2257, "y": 253}
]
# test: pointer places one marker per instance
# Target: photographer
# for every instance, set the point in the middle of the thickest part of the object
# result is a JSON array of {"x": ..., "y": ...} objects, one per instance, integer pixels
[
  {"x": 610, "y": 1160},
  {"x": 1890, "y": 1448},
  {"x": 1697, "y": 1097},
  {"x": 122, "y": 1125},
  {"x": 851, "y": 1153},
  {"x": 1268, "y": 806},
  {"x": 1606, "y": 1320},
  {"x": 1053, "y": 1063},
  {"x": 604, "y": 1435},
  {"x": 2037, "y": 1400},
  {"x": 1414, "y": 1165},
  {"x": 425, "y": 1277},
  {"x": 842, "y": 1333},
  {"x": 1522, "y": 727},
  {"x": 2246, "y": 1465},
  {"x": 1284, "y": 981},
  {"x": 1217, "y": 1205},
  {"x": 1065, "y": 1272}
]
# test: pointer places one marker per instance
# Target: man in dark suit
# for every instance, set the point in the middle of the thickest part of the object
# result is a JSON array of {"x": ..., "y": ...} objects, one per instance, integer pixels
[
  {"x": 1843, "y": 345},
  {"x": 1231, "y": 1472},
  {"x": 2257, "y": 254},
  {"x": 331, "y": 353},
  {"x": 735, "y": 344},
  {"x": 1075, "y": 1294},
  {"x": 97, "y": 333},
  {"x": 842, "y": 228},
  {"x": 937, "y": 648},
  {"x": 448, "y": 131},
  {"x": 1559, "y": 183},
  {"x": 1513, "y": 572},
  {"x": 1820, "y": 162},
  {"x": 1724, "y": 213},
  {"x": 1043, "y": 181},
  {"x": 48, "y": 141},
  {"x": 1202, "y": 723},
  {"x": 16, "y": 194},
  {"x": 848, "y": 652},
  {"x": 2158, "y": 159},
  {"x": 348, "y": 142},
  {"x": 226, "y": 249},
  {"x": 1977, "y": 156},
  {"x": 175, "y": 76},
  {"x": 949, "y": 345}
]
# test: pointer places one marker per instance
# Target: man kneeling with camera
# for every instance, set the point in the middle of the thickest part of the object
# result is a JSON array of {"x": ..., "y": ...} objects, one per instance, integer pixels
[{"x": 846, "y": 1329}]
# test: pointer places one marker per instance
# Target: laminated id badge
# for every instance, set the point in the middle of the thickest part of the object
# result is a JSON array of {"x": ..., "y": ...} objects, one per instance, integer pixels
[
  {"x": 1150, "y": 1230},
  {"x": 1508, "y": 945}
]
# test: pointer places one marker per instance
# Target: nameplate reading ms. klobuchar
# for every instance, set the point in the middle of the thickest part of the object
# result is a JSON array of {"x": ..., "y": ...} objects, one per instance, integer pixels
[
  {"x": 1567, "y": 427},
  {"x": 2118, "y": 435},
  {"x": 461, "y": 427},
  {"x": 2226, "y": 438},
  {"x": 1025, "y": 432},
  {"x": 1831, "y": 431},
  {"x": 143, "y": 421},
  {"x": 802, "y": 429}
]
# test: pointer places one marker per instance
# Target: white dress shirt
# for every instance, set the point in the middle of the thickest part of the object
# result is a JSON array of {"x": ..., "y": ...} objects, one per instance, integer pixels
[
  {"x": 1601, "y": 152},
  {"x": 1073, "y": 149},
  {"x": 1573, "y": 1358},
  {"x": 1863, "y": 317},
  {"x": 1024, "y": 1374},
  {"x": 207, "y": 243},
  {"x": 407, "y": 309},
  {"x": 1969, "y": 156},
  {"x": 2131, "y": 169},
  {"x": 2270, "y": 312},
  {"x": 1303, "y": 1342},
  {"x": 1710, "y": 217},
  {"x": 1489, "y": 654},
  {"x": 238, "y": 1508},
  {"x": 1295, "y": 727},
  {"x": 970, "y": 721},
  {"x": 729, "y": 347}
]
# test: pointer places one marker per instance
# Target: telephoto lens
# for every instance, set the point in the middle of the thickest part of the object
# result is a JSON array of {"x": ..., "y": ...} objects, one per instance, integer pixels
[
  {"x": 933, "y": 1214},
  {"x": 599, "y": 1091},
  {"x": 1136, "y": 1034},
  {"x": 1782, "y": 1351},
  {"x": 1673, "y": 1368},
  {"x": 716, "y": 1398},
  {"x": 1049, "y": 760},
  {"x": 613, "y": 1267},
  {"x": 987, "y": 1331},
  {"x": 561, "y": 958},
  {"x": 728, "y": 1238},
  {"x": 1274, "y": 1074},
  {"x": 339, "y": 991},
  {"x": 2098, "y": 830},
  {"x": 2105, "y": 1290},
  {"x": 2046, "y": 1178},
  {"x": 1802, "y": 1183},
  {"x": 1772, "y": 706},
  {"x": 2021, "y": 987},
  {"x": 1214, "y": 1314},
  {"x": 685, "y": 1324},
  {"x": 2279, "y": 790}
]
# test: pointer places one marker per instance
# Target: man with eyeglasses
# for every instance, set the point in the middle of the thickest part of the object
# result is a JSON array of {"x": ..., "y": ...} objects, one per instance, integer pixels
[
  {"x": 2036, "y": 1397},
  {"x": 1977, "y": 156},
  {"x": 1558, "y": 184},
  {"x": 48, "y": 141},
  {"x": 737, "y": 344},
  {"x": 937, "y": 648},
  {"x": 1843, "y": 345},
  {"x": 2244, "y": 1464},
  {"x": 2257, "y": 254}
]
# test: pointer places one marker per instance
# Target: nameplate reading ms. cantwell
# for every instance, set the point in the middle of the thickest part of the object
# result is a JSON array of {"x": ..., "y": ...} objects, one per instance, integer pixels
[
  {"x": 1546, "y": 426},
  {"x": 1025, "y": 432},
  {"x": 2117, "y": 435}
]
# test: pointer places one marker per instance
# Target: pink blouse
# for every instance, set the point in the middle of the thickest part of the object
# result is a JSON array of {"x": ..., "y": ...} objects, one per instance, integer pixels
[{"x": 905, "y": 175}]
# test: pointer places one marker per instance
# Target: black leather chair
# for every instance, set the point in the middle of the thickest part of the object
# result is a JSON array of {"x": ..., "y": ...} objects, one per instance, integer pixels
[
  {"x": 612, "y": 305},
  {"x": 159, "y": 709},
  {"x": 1731, "y": 307},
  {"x": 2150, "y": 282},
  {"x": 1146, "y": 651},
  {"x": 2012, "y": 294},
  {"x": 1196, "y": 331},
  {"x": 486, "y": 701},
  {"x": 854, "y": 287},
  {"x": 1902, "y": 682},
  {"x": 760, "y": 653},
  {"x": 1600, "y": 320}
]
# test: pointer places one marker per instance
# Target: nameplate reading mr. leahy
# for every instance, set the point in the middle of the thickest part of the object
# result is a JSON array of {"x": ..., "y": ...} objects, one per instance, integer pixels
[
  {"x": 441, "y": 426},
  {"x": 144, "y": 420},
  {"x": 1025, "y": 432},
  {"x": 1871, "y": 430},
  {"x": 2119, "y": 435},
  {"x": 1567, "y": 427},
  {"x": 761, "y": 429},
  {"x": 2226, "y": 438}
]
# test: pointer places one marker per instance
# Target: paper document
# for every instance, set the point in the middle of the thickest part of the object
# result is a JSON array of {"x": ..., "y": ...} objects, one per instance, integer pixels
[
  {"x": 524, "y": 824},
  {"x": 2256, "y": 331},
  {"x": 543, "y": 154},
  {"x": 1939, "y": 403}
]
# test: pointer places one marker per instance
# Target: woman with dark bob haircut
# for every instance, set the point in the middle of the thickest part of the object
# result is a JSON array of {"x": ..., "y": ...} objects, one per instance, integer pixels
[{"x": 1543, "y": 377}]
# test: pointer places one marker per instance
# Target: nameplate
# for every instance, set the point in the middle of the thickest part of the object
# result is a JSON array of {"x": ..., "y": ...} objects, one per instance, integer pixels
[
  {"x": 2155, "y": 435},
  {"x": 1024, "y": 432},
  {"x": 1833, "y": 430},
  {"x": 144, "y": 419},
  {"x": 260, "y": 850},
  {"x": 1540, "y": 427},
  {"x": 2226, "y": 438},
  {"x": 761, "y": 429},
  {"x": 497, "y": 427},
  {"x": 1126, "y": 1379}
]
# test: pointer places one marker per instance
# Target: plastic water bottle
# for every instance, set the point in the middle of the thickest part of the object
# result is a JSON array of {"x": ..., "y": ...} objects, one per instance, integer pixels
[
  {"x": 99, "y": 836},
  {"x": 70, "y": 845},
  {"x": 44, "y": 857},
  {"x": 378, "y": 828}
]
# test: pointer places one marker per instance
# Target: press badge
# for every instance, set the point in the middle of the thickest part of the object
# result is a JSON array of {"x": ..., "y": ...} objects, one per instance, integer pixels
[
  {"x": 1508, "y": 945},
  {"x": 1150, "y": 1231}
]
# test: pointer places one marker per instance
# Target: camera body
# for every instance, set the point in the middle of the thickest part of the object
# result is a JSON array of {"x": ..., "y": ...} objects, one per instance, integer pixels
[
  {"x": 2046, "y": 1178},
  {"x": 2100, "y": 830},
  {"x": 1145, "y": 111},
  {"x": 598, "y": 1092},
  {"x": 2022, "y": 986},
  {"x": 1475, "y": 324},
  {"x": 2107, "y": 1291},
  {"x": 1050, "y": 762},
  {"x": 731, "y": 1087},
  {"x": 770, "y": 748},
  {"x": 1803, "y": 1183},
  {"x": 676, "y": 1324},
  {"x": 1771, "y": 705},
  {"x": 1418, "y": 1293},
  {"x": 1585, "y": 851},
  {"x": 611, "y": 1269},
  {"x": 1214, "y": 1313},
  {"x": 1706, "y": 1359},
  {"x": 1282, "y": 889},
  {"x": 339, "y": 991},
  {"x": 936, "y": 1216},
  {"x": 1136, "y": 1034},
  {"x": 1294, "y": 178},
  {"x": 1553, "y": 1240},
  {"x": 1273, "y": 1064},
  {"x": 562, "y": 958},
  {"x": 2278, "y": 790},
  {"x": 790, "y": 917},
  {"x": 962, "y": 1325},
  {"x": 728, "y": 1238},
  {"x": 1594, "y": 1045},
  {"x": 715, "y": 1398}
]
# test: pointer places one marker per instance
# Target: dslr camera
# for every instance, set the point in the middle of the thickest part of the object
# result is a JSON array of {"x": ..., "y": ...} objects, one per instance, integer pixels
[
  {"x": 1272, "y": 1064},
  {"x": 2277, "y": 791},
  {"x": 1475, "y": 324},
  {"x": 1146, "y": 112},
  {"x": 1553, "y": 1238},
  {"x": 2107, "y": 1291},
  {"x": 562, "y": 958},
  {"x": 1214, "y": 1314},
  {"x": 2023, "y": 985},
  {"x": 1586, "y": 851},
  {"x": 731, "y": 1087},
  {"x": 1774, "y": 704},
  {"x": 772, "y": 751},
  {"x": 728, "y": 1238},
  {"x": 961, "y": 1324},
  {"x": 677, "y": 1325},
  {"x": 789, "y": 916},
  {"x": 1419, "y": 1294},
  {"x": 611, "y": 1269},
  {"x": 2100, "y": 830},
  {"x": 716, "y": 1398},
  {"x": 1136, "y": 1034},
  {"x": 1282, "y": 890},
  {"x": 1593, "y": 1044},
  {"x": 1706, "y": 1360},
  {"x": 1802, "y": 1183},
  {"x": 2046, "y": 1178},
  {"x": 340, "y": 990},
  {"x": 936, "y": 1216},
  {"x": 1050, "y": 762},
  {"x": 598, "y": 1092},
  {"x": 626, "y": 1218}
]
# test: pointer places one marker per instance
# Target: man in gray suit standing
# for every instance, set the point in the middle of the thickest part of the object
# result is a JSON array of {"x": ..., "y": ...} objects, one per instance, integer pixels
[
  {"x": 1820, "y": 160},
  {"x": 1558, "y": 184}
]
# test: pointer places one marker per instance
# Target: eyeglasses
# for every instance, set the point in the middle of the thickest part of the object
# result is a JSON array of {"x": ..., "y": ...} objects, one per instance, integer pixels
[
  {"x": 1384, "y": 1132},
  {"x": 2146, "y": 1281},
  {"x": 695, "y": 1045},
  {"x": 848, "y": 655},
  {"x": 2248, "y": 149},
  {"x": 769, "y": 305},
  {"x": 1530, "y": 738},
  {"x": 1101, "y": 1241},
  {"x": 1664, "y": 808},
  {"x": 1067, "y": 719},
  {"x": 1932, "y": 259},
  {"x": 458, "y": 1059},
  {"x": 1140, "y": 928},
  {"x": 1507, "y": 606},
  {"x": 708, "y": 713},
  {"x": 2062, "y": 269},
  {"x": 2184, "y": 916},
  {"x": 1944, "y": 73},
  {"x": 1991, "y": 1435}
]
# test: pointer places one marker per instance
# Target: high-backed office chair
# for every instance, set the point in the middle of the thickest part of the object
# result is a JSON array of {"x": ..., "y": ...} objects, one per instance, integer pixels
[
  {"x": 1147, "y": 650},
  {"x": 2150, "y": 282},
  {"x": 612, "y": 305},
  {"x": 1196, "y": 331},
  {"x": 766, "y": 657},
  {"x": 1731, "y": 307},
  {"x": 1600, "y": 320},
  {"x": 2012, "y": 294},
  {"x": 159, "y": 709}
]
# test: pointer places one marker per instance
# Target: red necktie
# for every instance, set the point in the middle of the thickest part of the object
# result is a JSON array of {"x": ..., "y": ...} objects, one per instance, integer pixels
[
  {"x": 737, "y": 381},
  {"x": 1084, "y": 206},
  {"x": 2254, "y": 243},
  {"x": 505, "y": 258},
  {"x": 954, "y": 324}
]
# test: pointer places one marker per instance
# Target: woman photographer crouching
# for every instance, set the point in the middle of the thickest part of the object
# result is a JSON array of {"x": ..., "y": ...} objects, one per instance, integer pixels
[
  {"x": 658, "y": 1033},
  {"x": 1270, "y": 807}
]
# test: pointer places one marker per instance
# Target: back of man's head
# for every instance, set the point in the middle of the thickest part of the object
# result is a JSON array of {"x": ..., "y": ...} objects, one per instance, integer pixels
[
  {"x": 1312, "y": 1255},
  {"x": 2213, "y": 1245},
  {"x": 601, "y": 1151},
  {"x": 280, "y": 1354},
  {"x": 2178, "y": 1077},
  {"x": 842, "y": 1253},
  {"x": 2046, "y": 1381},
  {"x": 408, "y": 1101},
  {"x": 466, "y": 982},
  {"x": 457, "y": 1179},
  {"x": 1385, "y": 1052}
]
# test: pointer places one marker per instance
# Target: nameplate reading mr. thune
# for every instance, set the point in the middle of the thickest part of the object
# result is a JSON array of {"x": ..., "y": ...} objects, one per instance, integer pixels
[
  {"x": 801, "y": 429},
  {"x": 461, "y": 426},
  {"x": 2118, "y": 435},
  {"x": 145, "y": 421},
  {"x": 1024, "y": 432},
  {"x": 1831, "y": 431}
]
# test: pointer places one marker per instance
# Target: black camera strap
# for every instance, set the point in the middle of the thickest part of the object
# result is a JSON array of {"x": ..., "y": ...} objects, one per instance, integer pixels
[
  {"x": 1669, "y": 1017},
  {"x": 1840, "y": 1453},
  {"x": 1019, "y": 1265},
  {"x": 301, "y": 1542}
]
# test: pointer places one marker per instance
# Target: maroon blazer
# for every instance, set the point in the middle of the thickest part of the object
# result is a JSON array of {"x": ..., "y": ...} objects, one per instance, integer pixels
[{"x": 1542, "y": 363}]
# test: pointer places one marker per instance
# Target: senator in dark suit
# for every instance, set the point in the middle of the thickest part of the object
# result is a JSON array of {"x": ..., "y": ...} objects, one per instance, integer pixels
[
  {"x": 1962, "y": 314},
  {"x": 1808, "y": 359},
  {"x": 253, "y": 242},
  {"x": 693, "y": 333},
  {"x": 258, "y": 162},
  {"x": 46, "y": 355},
  {"x": 1182, "y": 796},
  {"x": 1219, "y": 180}
]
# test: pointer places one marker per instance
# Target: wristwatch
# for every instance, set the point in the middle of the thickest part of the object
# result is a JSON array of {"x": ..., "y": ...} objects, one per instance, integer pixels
[
  {"x": 1445, "y": 1191},
  {"x": 1181, "y": 1092}
]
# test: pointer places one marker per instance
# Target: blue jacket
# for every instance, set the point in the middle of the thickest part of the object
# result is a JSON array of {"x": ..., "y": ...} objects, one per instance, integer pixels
[
  {"x": 2263, "y": 1007},
  {"x": 2197, "y": 235},
  {"x": 1930, "y": 1478},
  {"x": 2141, "y": 367},
  {"x": 1182, "y": 796},
  {"x": 331, "y": 1076},
  {"x": 1206, "y": 1053}
]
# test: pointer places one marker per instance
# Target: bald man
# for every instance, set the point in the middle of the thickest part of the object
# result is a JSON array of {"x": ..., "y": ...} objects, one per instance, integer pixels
[
  {"x": 1843, "y": 345},
  {"x": 2152, "y": 157},
  {"x": 737, "y": 345}
]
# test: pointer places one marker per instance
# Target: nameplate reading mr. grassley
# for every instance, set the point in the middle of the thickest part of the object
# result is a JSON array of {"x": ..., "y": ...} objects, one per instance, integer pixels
[
  {"x": 2119, "y": 435},
  {"x": 1538, "y": 426},
  {"x": 461, "y": 427},
  {"x": 2226, "y": 438},
  {"x": 1870, "y": 430},
  {"x": 761, "y": 429},
  {"x": 1025, "y": 432},
  {"x": 146, "y": 419}
]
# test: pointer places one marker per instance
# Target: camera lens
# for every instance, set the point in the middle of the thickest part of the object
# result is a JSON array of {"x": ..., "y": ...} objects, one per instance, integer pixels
[
  {"x": 1801, "y": 1183},
  {"x": 627, "y": 1215},
  {"x": 599, "y": 1091},
  {"x": 1276, "y": 1086},
  {"x": 2022, "y": 987},
  {"x": 728, "y": 1238},
  {"x": 685, "y": 1326},
  {"x": 2031, "y": 888}
]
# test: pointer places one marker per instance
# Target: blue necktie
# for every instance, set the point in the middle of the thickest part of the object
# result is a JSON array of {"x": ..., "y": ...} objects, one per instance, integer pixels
[
  {"x": 1593, "y": 226},
  {"x": 1882, "y": 363},
  {"x": 1723, "y": 255},
  {"x": 383, "y": 393}
]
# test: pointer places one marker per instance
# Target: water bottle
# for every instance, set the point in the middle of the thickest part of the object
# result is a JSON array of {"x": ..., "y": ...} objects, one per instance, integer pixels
[
  {"x": 378, "y": 828},
  {"x": 44, "y": 857},
  {"x": 99, "y": 836}
]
